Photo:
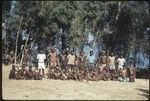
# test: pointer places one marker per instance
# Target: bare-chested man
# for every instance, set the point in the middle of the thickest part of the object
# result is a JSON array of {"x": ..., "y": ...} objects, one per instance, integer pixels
[
  {"x": 26, "y": 55},
  {"x": 82, "y": 60},
  {"x": 53, "y": 58},
  {"x": 103, "y": 59},
  {"x": 63, "y": 57}
]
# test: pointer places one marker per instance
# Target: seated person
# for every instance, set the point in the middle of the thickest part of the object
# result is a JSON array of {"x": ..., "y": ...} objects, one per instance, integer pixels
[
  {"x": 37, "y": 75},
  {"x": 12, "y": 72},
  {"x": 29, "y": 73},
  {"x": 21, "y": 74}
]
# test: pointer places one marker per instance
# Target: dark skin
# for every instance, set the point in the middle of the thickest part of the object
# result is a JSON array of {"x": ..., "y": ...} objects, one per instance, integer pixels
[
  {"x": 87, "y": 75},
  {"x": 12, "y": 72},
  {"x": 103, "y": 59},
  {"x": 82, "y": 60},
  {"x": 81, "y": 75},
  {"x": 29, "y": 74},
  {"x": 56, "y": 73},
  {"x": 50, "y": 73},
  {"x": 77, "y": 74},
  {"x": 63, "y": 58},
  {"x": 21, "y": 74},
  {"x": 104, "y": 74},
  {"x": 63, "y": 75},
  {"x": 132, "y": 73},
  {"x": 37, "y": 75},
  {"x": 114, "y": 75}
]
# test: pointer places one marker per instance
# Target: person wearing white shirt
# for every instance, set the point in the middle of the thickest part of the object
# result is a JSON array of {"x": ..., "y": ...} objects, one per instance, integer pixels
[
  {"x": 71, "y": 59},
  {"x": 41, "y": 65},
  {"x": 121, "y": 61}
]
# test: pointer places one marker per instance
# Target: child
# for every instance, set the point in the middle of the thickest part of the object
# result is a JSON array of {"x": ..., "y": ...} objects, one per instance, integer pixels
[
  {"x": 132, "y": 73},
  {"x": 124, "y": 74},
  {"x": 21, "y": 73},
  {"x": 114, "y": 75},
  {"x": 63, "y": 76},
  {"x": 37, "y": 75},
  {"x": 29, "y": 73},
  {"x": 50, "y": 73},
  {"x": 12, "y": 72}
]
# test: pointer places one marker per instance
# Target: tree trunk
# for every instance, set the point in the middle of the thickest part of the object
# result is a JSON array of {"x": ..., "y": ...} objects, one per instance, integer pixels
[{"x": 17, "y": 39}]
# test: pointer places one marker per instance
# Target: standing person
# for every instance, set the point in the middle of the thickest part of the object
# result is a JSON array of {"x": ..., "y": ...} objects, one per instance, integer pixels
[
  {"x": 71, "y": 59},
  {"x": 124, "y": 74},
  {"x": 53, "y": 58},
  {"x": 26, "y": 55},
  {"x": 112, "y": 61},
  {"x": 82, "y": 60},
  {"x": 103, "y": 59},
  {"x": 41, "y": 65},
  {"x": 91, "y": 59},
  {"x": 121, "y": 61},
  {"x": 132, "y": 73},
  {"x": 63, "y": 57}
]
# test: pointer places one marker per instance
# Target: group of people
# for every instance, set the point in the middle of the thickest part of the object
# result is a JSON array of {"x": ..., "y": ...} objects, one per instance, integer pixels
[{"x": 70, "y": 66}]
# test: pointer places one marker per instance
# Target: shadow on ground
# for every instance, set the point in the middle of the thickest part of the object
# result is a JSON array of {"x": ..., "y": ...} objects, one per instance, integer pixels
[{"x": 145, "y": 93}]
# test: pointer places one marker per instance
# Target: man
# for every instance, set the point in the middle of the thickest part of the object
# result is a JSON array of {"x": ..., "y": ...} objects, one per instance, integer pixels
[
  {"x": 121, "y": 61},
  {"x": 103, "y": 59},
  {"x": 53, "y": 57},
  {"x": 112, "y": 61},
  {"x": 63, "y": 57},
  {"x": 82, "y": 60},
  {"x": 71, "y": 59},
  {"x": 26, "y": 55},
  {"x": 91, "y": 59},
  {"x": 41, "y": 65}
]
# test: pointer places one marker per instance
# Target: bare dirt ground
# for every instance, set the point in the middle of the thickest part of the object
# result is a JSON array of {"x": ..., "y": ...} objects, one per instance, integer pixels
[{"x": 47, "y": 89}]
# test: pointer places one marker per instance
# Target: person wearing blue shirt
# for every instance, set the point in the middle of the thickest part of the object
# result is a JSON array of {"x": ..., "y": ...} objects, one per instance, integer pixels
[{"x": 91, "y": 59}]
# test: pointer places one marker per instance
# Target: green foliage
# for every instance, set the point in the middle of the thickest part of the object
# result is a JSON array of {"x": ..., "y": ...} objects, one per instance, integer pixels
[{"x": 77, "y": 16}]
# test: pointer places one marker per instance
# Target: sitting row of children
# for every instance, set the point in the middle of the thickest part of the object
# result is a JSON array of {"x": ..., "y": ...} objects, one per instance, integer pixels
[
  {"x": 23, "y": 73},
  {"x": 76, "y": 73},
  {"x": 92, "y": 74}
]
